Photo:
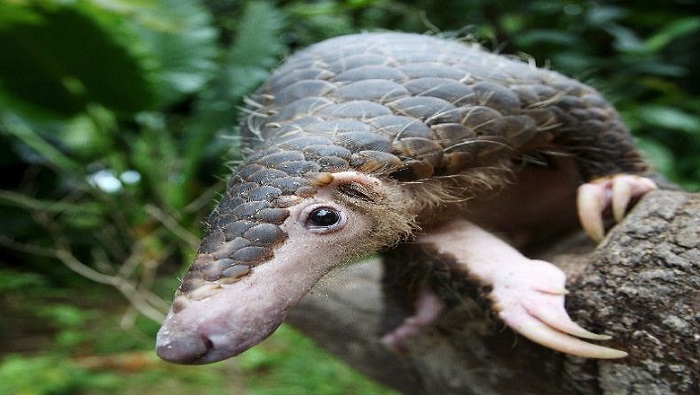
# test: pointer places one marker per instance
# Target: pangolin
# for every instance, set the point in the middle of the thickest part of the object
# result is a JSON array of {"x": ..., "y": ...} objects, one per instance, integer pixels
[{"x": 386, "y": 141}]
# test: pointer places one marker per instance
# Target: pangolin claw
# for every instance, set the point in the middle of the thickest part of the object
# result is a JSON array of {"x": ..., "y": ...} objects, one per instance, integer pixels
[
  {"x": 541, "y": 333},
  {"x": 543, "y": 319},
  {"x": 534, "y": 307},
  {"x": 614, "y": 192},
  {"x": 555, "y": 316}
]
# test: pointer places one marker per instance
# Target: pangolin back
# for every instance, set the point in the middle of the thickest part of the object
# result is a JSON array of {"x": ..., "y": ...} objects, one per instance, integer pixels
[{"x": 412, "y": 106}]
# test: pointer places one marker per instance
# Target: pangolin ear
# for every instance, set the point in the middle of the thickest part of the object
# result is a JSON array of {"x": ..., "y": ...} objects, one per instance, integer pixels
[
  {"x": 383, "y": 202},
  {"x": 358, "y": 187}
]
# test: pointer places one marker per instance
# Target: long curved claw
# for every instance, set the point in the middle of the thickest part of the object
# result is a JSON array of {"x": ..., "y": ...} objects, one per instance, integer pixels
[
  {"x": 627, "y": 188},
  {"x": 534, "y": 307},
  {"x": 590, "y": 202},
  {"x": 551, "y": 312},
  {"x": 615, "y": 192},
  {"x": 545, "y": 335}
]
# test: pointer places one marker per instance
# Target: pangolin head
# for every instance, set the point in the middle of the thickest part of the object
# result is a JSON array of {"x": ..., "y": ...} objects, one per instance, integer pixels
[{"x": 288, "y": 216}]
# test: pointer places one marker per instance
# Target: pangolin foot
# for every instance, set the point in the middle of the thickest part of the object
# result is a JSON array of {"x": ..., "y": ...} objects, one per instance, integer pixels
[
  {"x": 532, "y": 304},
  {"x": 427, "y": 309},
  {"x": 614, "y": 192}
]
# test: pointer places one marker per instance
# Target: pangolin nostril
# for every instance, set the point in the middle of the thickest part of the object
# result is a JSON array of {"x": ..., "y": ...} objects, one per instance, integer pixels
[
  {"x": 184, "y": 349},
  {"x": 208, "y": 343}
]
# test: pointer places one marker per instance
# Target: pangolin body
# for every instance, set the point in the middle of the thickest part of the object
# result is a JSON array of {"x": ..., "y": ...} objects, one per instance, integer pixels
[{"x": 435, "y": 121}]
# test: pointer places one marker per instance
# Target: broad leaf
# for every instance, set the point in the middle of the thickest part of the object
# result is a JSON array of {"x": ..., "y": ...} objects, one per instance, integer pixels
[{"x": 61, "y": 60}]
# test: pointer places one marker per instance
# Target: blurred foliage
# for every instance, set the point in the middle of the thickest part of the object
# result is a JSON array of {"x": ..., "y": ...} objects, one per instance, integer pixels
[
  {"x": 115, "y": 117},
  {"x": 88, "y": 356}
]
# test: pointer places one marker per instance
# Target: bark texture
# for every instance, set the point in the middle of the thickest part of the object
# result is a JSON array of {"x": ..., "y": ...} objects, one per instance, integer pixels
[{"x": 641, "y": 285}]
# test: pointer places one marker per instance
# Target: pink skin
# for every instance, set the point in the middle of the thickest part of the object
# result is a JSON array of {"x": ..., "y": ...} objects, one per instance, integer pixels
[{"x": 244, "y": 313}]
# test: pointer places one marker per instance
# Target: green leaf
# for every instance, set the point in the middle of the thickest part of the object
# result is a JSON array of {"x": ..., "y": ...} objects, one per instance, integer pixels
[
  {"x": 546, "y": 36},
  {"x": 16, "y": 281},
  {"x": 604, "y": 15},
  {"x": 660, "y": 156},
  {"x": 63, "y": 60},
  {"x": 672, "y": 31},
  {"x": 246, "y": 65},
  {"x": 15, "y": 199},
  {"x": 179, "y": 39},
  {"x": 156, "y": 156},
  {"x": 128, "y": 56},
  {"x": 625, "y": 39},
  {"x": 24, "y": 132},
  {"x": 669, "y": 118},
  {"x": 65, "y": 315}
]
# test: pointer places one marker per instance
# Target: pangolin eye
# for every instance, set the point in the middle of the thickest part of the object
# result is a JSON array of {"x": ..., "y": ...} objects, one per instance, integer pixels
[{"x": 324, "y": 217}]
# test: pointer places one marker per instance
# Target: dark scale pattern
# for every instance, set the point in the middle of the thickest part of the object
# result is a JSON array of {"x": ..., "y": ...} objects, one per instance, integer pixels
[{"x": 400, "y": 105}]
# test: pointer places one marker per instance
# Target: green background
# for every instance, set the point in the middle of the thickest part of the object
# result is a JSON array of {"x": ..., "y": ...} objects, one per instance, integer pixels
[{"x": 117, "y": 124}]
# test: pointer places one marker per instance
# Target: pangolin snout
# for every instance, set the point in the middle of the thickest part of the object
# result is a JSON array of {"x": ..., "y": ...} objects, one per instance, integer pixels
[
  {"x": 223, "y": 324},
  {"x": 184, "y": 350},
  {"x": 212, "y": 342}
]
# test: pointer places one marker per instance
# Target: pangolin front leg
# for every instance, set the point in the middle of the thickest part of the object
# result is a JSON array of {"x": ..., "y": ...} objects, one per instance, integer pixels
[{"x": 527, "y": 295}]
